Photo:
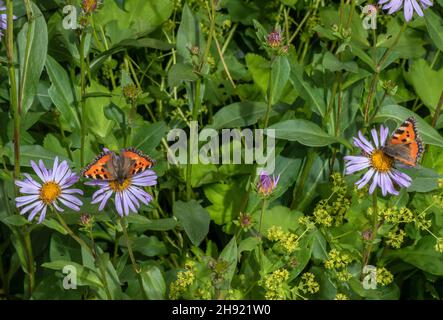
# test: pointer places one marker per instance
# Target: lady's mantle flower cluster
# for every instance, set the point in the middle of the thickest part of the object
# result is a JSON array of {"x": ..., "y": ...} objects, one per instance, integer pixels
[
  {"x": 337, "y": 260},
  {"x": 308, "y": 283},
  {"x": 332, "y": 210},
  {"x": 275, "y": 285},
  {"x": 285, "y": 239},
  {"x": 384, "y": 277},
  {"x": 184, "y": 280}
]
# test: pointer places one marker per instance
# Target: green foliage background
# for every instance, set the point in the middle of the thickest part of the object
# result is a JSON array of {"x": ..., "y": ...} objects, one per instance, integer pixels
[{"x": 139, "y": 68}]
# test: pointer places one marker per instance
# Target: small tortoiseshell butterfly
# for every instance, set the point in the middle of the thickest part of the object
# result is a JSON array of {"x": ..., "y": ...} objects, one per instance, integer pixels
[
  {"x": 405, "y": 145},
  {"x": 110, "y": 166}
]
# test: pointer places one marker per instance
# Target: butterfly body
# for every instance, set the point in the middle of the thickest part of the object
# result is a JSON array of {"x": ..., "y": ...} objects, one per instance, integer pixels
[
  {"x": 405, "y": 144},
  {"x": 118, "y": 167}
]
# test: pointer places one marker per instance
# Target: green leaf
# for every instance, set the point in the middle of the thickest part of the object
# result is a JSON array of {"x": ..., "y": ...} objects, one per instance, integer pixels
[
  {"x": 427, "y": 83},
  {"x": 194, "y": 218},
  {"x": 399, "y": 114},
  {"x": 180, "y": 72},
  {"x": 239, "y": 114},
  {"x": 55, "y": 225},
  {"x": 434, "y": 23},
  {"x": 32, "y": 48},
  {"x": 423, "y": 256},
  {"x": 226, "y": 201},
  {"x": 140, "y": 223},
  {"x": 153, "y": 282},
  {"x": 279, "y": 216},
  {"x": 188, "y": 35},
  {"x": 15, "y": 220},
  {"x": 229, "y": 255},
  {"x": 149, "y": 246},
  {"x": 85, "y": 275},
  {"x": 148, "y": 136},
  {"x": 303, "y": 131},
  {"x": 279, "y": 76},
  {"x": 136, "y": 18},
  {"x": 259, "y": 68},
  {"x": 423, "y": 179},
  {"x": 61, "y": 93},
  {"x": 332, "y": 63},
  {"x": 313, "y": 96},
  {"x": 35, "y": 153},
  {"x": 95, "y": 110}
]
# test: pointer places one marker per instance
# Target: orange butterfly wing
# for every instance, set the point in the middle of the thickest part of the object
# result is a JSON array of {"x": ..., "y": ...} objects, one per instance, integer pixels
[
  {"x": 97, "y": 170},
  {"x": 407, "y": 143},
  {"x": 141, "y": 161}
]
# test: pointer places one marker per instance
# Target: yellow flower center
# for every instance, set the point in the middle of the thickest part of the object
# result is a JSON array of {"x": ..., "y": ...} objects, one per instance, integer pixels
[
  {"x": 49, "y": 192},
  {"x": 381, "y": 161},
  {"x": 116, "y": 186}
]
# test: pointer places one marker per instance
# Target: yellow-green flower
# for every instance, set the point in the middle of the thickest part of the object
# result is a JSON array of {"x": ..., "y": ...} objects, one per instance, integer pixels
[
  {"x": 439, "y": 245},
  {"x": 395, "y": 238},
  {"x": 275, "y": 284},
  {"x": 308, "y": 283},
  {"x": 384, "y": 277},
  {"x": 287, "y": 240},
  {"x": 183, "y": 282},
  {"x": 337, "y": 260},
  {"x": 344, "y": 275},
  {"x": 341, "y": 296}
]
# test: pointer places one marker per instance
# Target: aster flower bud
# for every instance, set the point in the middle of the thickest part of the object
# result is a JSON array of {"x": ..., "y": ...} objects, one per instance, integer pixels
[
  {"x": 90, "y": 6},
  {"x": 86, "y": 220},
  {"x": 131, "y": 92},
  {"x": 274, "y": 39},
  {"x": 267, "y": 184}
]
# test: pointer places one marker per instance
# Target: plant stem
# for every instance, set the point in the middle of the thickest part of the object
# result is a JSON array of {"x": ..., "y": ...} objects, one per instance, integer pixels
[
  {"x": 368, "y": 250},
  {"x": 378, "y": 68},
  {"x": 13, "y": 87},
  {"x": 269, "y": 96},
  {"x": 310, "y": 157},
  {"x": 82, "y": 98},
  {"x": 135, "y": 266},
  {"x": 83, "y": 244},
  {"x": 263, "y": 208}
]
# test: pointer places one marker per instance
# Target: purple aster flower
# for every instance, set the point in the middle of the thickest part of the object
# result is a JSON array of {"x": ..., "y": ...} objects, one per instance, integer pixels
[
  {"x": 267, "y": 184},
  {"x": 128, "y": 193},
  {"x": 380, "y": 165},
  {"x": 409, "y": 6},
  {"x": 55, "y": 188}
]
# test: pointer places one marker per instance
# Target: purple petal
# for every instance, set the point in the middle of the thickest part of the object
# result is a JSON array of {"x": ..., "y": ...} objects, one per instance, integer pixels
[
  {"x": 362, "y": 146},
  {"x": 54, "y": 168},
  {"x": 42, "y": 215},
  {"x": 374, "y": 134},
  {"x": 72, "y": 199},
  {"x": 43, "y": 169},
  {"x": 118, "y": 204},
  {"x": 36, "y": 210},
  {"x": 60, "y": 209},
  {"x": 20, "y": 201},
  {"x": 375, "y": 181},
  {"x": 61, "y": 172},
  {"x": 140, "y": 194},
  {"x": 417, "y": 8},
  {"x": 69, "y": 204},
  {"x": 400, "y": 178},
  {"x": 366, "y": 177},
  {"x": 38, "y": 171},
  {"x": 409, "y": 11},
  {"x": 383, "y": 135},
  {"x": 27, "y": 208},
  {"x": 105, "y": 200}
]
